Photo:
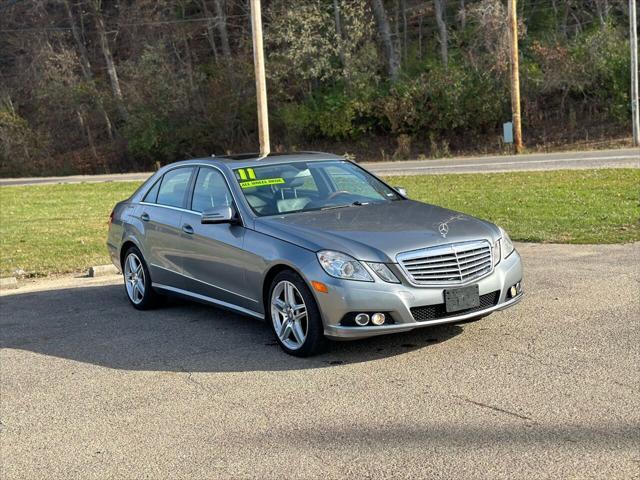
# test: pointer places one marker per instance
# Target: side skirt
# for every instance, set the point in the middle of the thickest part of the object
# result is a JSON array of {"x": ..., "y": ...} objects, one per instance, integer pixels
[{"x": 205, "y": 299}]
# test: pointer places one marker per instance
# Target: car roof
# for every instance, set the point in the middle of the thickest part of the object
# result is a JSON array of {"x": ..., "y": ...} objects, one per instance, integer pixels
[{"x": 254, "y": 159}]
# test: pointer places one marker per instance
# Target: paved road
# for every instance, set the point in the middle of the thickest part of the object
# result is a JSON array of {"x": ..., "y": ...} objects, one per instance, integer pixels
[
  {"x": 629, "y": 158},
  {"x": 93, "y": 389}
]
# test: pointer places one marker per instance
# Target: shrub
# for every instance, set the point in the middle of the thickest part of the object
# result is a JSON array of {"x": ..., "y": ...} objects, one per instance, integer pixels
[
  {"x": 334, "y": 114},
  {"x": 603, "y": 57},
  {"x": 19, "y": 144},
  {"x": 443, "y": 99},
  {"x": 589, "y": 73}
]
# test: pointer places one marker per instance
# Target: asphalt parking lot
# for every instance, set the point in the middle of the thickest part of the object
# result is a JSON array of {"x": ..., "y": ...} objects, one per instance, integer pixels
[{"x": 91, "y": 388}]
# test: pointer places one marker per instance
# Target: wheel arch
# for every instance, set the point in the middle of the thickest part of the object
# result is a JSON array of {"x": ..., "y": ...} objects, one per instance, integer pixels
[
  {"x": 124, "y": 248},
  {"x": 273, "y": 271}
]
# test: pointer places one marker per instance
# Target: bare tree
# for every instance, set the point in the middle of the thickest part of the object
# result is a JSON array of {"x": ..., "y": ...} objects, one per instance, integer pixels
[
  {"x": 86, "y": 66},
  {"x": 384, "y": 30},
  {"x": 221, "y": 23},
  {"x": 565, "y": 18},
  {"x": 462, "y": 15},
  {"x": 82, "y": 49},
  {"x": 405, "y": 34},
  {"x": 420, "y": 36},
  {"x": 395, "y": 37},
  {"x": 339, "y": 31},
  {"x": 210, "y": 26},
  {"x": 108, "y": 58},
  {"x": 602, "y": 9},
  {"x": 440, "y": 7}
]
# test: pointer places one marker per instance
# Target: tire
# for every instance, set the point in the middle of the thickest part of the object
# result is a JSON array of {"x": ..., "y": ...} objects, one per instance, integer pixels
[
  {"x": 137, "y": 281},
  {"x": 288, "y": 296}
]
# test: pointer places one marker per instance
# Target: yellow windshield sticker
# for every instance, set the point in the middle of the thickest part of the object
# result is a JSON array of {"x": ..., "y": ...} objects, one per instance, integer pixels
[
  {"x": 261, "y": 183},
  {"x": 246, "y": 174}
]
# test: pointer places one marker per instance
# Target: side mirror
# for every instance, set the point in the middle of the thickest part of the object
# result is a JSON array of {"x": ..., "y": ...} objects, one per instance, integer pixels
[
  {"x": 402, "y": 191},
  {"x": 219, "y": 215}
]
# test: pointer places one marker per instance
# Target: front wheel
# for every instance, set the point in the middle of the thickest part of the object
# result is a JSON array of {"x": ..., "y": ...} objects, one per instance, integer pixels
[{"x": 294, "y": 314}]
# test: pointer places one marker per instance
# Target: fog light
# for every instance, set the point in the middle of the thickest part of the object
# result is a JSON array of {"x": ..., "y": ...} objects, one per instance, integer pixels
[
  {"x": 513, "y": 292},
  {"x": 518, "y": 287},
  {"x": 362, "y": 319},
  {"x": 377, "y": 318}
]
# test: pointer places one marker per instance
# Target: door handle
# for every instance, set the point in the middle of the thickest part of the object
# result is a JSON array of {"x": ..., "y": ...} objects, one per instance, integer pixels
[
  {"x": 187, "y": 229},
  {"x": 144, "y": 217}
]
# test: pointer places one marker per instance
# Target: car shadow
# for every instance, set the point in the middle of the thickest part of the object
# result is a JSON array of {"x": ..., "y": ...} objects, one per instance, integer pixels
[{"x": 97, "y": 325}]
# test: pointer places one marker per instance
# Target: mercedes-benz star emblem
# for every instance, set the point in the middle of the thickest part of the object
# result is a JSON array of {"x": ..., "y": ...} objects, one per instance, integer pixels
[{"x": 443, "y": 228}]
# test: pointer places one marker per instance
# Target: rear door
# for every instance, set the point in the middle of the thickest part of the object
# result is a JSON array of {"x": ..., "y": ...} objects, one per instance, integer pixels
[
  {"x": 214, "y": 259},
  {"x": 161, "y": 213}
]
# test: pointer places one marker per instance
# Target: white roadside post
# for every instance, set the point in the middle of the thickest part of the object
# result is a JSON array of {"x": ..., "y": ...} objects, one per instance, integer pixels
[{"x": 261, "y": 84}]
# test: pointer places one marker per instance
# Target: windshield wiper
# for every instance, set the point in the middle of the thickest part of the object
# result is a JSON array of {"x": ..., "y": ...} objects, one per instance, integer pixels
[
  {"x": 357, "y": 203},
  {"x": 331, "y": 207}
]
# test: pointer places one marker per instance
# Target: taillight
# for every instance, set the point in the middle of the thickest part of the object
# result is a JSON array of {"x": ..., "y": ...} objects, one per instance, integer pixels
[{"x": 111, "y": 216}]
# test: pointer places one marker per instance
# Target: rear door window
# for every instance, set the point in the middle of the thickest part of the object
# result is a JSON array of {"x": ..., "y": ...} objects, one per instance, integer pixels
[{"x": 174, "y": 187}]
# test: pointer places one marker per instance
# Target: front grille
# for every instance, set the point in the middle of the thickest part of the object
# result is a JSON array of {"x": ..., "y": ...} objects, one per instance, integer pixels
[
  {"x": 447, "y": 264},
  {"x": 434, "y": 312}
]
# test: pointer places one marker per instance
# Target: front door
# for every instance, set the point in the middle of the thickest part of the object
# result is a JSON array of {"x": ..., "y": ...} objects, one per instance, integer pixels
[{"x": 213, "y": 256}]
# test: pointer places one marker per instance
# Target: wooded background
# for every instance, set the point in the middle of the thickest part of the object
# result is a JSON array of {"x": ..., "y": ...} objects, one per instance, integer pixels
[{"x": 91, "y": 86}]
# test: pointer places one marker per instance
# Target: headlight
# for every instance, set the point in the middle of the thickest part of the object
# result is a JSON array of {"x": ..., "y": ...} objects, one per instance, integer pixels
[
  {"x": 383, "y": 272},
  {"x": 503, "y": 247},
  {"x": 497, "y": 255},
  {"x": 507, "y": 244},
  {"x": 340, "y": 265}
]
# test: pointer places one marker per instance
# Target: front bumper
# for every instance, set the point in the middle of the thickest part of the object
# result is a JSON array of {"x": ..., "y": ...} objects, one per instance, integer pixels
[
  {"x": 341, "y": 332},
  {"x": 398, "y": 299}
]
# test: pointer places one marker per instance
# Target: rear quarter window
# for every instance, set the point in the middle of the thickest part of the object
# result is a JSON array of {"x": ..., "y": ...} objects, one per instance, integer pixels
[{"x": 152, "y": 194}]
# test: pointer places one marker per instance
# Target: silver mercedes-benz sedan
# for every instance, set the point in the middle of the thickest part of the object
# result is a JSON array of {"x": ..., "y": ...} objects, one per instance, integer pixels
[{"x": 312, "y": 243}]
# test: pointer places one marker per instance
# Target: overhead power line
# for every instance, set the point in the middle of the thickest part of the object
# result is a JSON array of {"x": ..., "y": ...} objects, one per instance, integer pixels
[{"x": 130, "y": 24}]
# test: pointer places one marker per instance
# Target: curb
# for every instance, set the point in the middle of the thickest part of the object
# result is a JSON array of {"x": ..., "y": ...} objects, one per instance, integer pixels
[
  {"x": 102, "y": 270},
  {"x": 8, "y": 283}
]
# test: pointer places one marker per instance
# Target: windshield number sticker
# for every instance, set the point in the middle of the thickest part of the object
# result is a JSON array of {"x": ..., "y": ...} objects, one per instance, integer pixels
[
  {"x": 246, "y": 174},
  {"x": 262, "y": 183}
]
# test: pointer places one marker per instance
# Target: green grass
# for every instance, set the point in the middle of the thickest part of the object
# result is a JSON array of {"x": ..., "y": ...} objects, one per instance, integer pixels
[
  {"x": 565, "y": 206},
  {"x": 62, "y": 228},
  {"x": 56, "y": 228}
]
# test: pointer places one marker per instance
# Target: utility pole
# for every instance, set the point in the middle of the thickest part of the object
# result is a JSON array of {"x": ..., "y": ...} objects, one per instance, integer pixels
[
  {"x": 261, "y": 84},
  {"x": 633, "y": 40},
  {"x": 515, "y": 75}
]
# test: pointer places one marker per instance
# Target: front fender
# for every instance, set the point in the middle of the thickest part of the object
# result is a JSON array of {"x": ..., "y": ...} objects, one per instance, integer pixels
[{"x": 269, "y": 253}]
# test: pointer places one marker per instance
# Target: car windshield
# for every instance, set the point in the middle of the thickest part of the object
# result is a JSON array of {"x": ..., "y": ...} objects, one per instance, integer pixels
[{"x": 304, "y": 186}]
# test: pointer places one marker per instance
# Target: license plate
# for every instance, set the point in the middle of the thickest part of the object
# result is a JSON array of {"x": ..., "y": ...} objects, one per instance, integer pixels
[{"x": 463, "y": 298}]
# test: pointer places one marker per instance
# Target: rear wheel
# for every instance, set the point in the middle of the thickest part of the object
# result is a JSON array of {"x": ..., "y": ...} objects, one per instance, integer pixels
[
  {"x": 137, "y": 281},
  {"x": 295, "y": 318}
]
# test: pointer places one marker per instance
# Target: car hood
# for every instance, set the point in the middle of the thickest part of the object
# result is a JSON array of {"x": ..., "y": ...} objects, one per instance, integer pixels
[{"x": 377, "y": 232}]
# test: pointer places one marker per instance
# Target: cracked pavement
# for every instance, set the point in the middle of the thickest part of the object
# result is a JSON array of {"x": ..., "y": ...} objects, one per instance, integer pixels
[{"x": 92, "y": 389}]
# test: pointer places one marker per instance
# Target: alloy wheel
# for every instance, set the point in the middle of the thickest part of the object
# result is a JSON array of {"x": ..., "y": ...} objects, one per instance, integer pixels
[
  {"x": 289, "y": 315},
  {"x": 134, "y": 278}
]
